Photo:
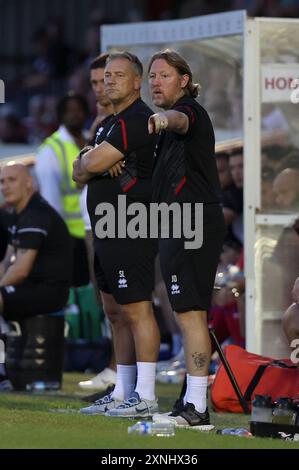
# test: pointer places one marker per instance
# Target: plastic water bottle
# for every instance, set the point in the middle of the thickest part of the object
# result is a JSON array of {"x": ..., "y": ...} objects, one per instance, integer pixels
[
  {"x": 152, "y": 429},
  {"x": 235, "y": 432},
  {"x": 41, "y": 386},
  {"x": 284, "y": 412},
  {"x": 262, "y": 409}
]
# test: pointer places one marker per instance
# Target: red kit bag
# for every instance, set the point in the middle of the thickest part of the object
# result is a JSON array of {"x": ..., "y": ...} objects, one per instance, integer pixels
[{"x": 255, "y": 375}]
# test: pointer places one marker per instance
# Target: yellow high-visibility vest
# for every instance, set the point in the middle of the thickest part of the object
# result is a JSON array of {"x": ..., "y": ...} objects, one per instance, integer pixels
[{"x": 66, "y": 152}]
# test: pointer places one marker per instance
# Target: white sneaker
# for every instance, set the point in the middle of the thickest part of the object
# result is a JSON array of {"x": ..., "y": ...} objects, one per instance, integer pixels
[
  {"x": 134, "y": 407},
  {"x": 101, "y": 406},
  {"x": 101, "y": 381}
]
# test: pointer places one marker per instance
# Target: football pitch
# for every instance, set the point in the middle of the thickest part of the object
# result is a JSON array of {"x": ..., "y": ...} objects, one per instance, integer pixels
[{"x": 52, "y": 421}]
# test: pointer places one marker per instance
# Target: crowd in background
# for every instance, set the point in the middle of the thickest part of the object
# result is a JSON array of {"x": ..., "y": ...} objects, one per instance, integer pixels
[
  {"x": 54, "y": 65},
  {"x": 30, "y": 116}
]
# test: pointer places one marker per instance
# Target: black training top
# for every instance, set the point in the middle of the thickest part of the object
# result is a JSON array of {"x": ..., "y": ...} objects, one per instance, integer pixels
[
  {"x": 185, "y": 166},
  {"x": 128, "y": 133},
  {"x": 100, "y": 129},
  {"x": 39, "y": 227}
]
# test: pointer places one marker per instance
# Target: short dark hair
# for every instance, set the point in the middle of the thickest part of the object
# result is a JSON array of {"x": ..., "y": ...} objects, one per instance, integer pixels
[
  {"x": 174, "y": 59},
  {"x": 64, "y": 101},
  {"x": 99, "y": 62},
  {"x": 130, "y": 57}
]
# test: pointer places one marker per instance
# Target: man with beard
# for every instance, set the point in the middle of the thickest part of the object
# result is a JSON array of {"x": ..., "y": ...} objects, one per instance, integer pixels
[{"x": 185, "y": 172}]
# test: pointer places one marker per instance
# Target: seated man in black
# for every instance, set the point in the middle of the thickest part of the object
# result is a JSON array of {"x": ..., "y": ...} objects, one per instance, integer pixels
[{"x": 37, "y": 281}]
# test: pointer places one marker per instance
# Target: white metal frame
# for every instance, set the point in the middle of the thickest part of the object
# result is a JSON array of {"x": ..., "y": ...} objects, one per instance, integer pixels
[
  {"x": 286, "y": 220},
  {"x": 271, "y": 219},
  {"x": 252, "y": 182},
  {"x": 155, "y": 32},
  {"x": 251, "y": 102}
]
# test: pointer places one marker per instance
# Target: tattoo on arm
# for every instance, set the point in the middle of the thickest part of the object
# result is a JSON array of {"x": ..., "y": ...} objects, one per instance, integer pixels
[
  {"x": 23, "y": 250},
  {"x": 200, "y": 359}
]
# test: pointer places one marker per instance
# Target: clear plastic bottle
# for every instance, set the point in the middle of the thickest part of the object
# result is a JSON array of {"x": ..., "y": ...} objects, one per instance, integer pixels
[
  {"x": 284, "y": 412},
  {"x": 262, "y": 409},
  {"x": 40, "y": 386},
  {"x": 235, "y": 432},
  {"x": 152, "y": 429}
]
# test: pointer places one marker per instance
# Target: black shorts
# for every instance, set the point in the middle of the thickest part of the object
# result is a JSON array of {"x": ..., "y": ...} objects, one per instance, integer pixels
[
  {"x": 32, "y": 298},
  {"x": 189, "y": 274},
  {"x": 125, "y": 268}
]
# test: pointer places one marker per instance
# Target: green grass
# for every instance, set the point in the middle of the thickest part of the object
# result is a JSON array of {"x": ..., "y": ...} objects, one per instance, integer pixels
[{"x": 52, "y": 421}]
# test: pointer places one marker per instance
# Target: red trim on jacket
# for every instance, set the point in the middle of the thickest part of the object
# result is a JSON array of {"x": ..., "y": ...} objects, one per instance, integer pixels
[
  {"x": 181, "y": 185},
  {"x": 126, "y": 188},
  {"x": 124, "y": 133}
]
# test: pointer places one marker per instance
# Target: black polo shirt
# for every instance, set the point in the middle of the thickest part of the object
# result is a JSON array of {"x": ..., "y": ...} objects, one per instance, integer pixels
[
  {"x": 39, "y": 227},
  {"x": 97, "y": 137},
  {"x": 127, "y": 131},
  {"x": 185, "y": 166}
]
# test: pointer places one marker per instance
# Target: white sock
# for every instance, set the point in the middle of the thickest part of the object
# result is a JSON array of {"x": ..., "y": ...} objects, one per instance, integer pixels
[
  {"x": 146, "y": 378},
  {"x": 197, "y": 392},
  {"x": 125, "y": 381}
]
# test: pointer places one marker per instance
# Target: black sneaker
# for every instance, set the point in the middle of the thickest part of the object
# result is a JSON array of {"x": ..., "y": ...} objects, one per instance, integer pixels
[
  {"x": 187, "y": 417},
  {"x": 176, "y": 409}
]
